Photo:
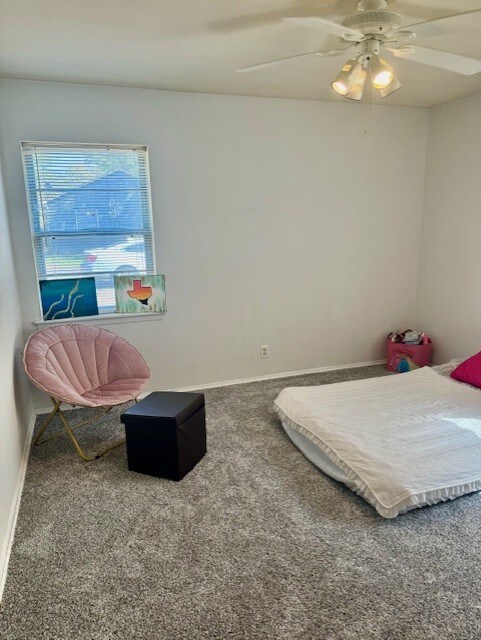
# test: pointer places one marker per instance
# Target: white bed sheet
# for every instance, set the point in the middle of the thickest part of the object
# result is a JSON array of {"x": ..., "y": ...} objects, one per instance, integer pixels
[{"x": 400, "y": 442}]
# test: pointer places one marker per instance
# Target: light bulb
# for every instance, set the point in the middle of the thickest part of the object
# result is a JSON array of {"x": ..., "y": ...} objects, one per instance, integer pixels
[
  {"x": 382, "y": 80},
  {"x": 346, "y": 77},
  {"x": 381, "y": 73},
  {"x": 394, "y": 86},
  {"x": 339, "y": 87}
]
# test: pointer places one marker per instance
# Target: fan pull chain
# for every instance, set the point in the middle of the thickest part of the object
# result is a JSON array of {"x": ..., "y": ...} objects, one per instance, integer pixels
[{"x": 368, "y": 109}]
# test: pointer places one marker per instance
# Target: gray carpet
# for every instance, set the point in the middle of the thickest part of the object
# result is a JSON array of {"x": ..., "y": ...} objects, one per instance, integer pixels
[{"x": 255, "y": 543}]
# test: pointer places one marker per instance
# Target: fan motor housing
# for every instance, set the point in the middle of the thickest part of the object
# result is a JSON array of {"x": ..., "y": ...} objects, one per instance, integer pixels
[{"x": 373, "y": 22}]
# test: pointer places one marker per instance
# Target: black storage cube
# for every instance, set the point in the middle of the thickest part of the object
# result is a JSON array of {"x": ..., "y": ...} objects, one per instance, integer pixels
[{"x": 165, "y": 434}]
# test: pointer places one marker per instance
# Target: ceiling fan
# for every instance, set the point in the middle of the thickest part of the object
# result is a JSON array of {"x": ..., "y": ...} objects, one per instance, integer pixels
[{"x": 371, "y": 30}]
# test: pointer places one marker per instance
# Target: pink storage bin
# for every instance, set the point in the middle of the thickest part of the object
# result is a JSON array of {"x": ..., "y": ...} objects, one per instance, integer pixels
[{"x": 420, "y": 354}]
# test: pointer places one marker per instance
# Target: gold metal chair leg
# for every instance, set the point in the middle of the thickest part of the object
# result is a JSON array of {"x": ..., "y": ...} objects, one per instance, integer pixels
[
  {"x": 68, "y": 428},
  {"x": 77, "y": 446},
  {"x": 55, "y": 410},
  {"x": 57, "y": 434}
]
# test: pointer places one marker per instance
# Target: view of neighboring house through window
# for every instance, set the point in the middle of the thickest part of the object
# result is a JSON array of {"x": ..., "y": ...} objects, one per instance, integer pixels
[{"x": 90, "y": 212}]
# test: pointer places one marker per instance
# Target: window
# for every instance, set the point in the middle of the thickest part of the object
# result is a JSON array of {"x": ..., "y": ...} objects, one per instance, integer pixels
[{"x": 90, "y": 212}]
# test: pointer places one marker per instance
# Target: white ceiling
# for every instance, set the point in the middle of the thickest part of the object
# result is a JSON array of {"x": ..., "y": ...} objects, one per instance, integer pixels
[{"x": 197, "y": 45}]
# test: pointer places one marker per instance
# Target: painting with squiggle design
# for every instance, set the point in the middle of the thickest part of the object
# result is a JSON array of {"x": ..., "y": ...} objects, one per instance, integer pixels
[{"x": 68, "y": 298}]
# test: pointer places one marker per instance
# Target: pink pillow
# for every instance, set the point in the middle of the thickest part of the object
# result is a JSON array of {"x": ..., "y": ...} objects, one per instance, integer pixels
[{"x": 469, "y": 371}]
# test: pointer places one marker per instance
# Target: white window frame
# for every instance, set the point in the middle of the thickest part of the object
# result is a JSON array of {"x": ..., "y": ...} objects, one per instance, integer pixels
[{"x": 106, "y": 316}]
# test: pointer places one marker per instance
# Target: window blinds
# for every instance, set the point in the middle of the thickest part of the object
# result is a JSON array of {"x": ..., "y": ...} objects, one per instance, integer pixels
[{"x": 90, "y": 212}]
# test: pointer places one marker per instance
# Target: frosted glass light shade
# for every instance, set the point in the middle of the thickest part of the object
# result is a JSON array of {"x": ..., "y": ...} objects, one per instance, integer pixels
[
  {"x": 357, "y": 89},
  {"x": 381, "y": 73},
  {"x": 347, "y": 77}
]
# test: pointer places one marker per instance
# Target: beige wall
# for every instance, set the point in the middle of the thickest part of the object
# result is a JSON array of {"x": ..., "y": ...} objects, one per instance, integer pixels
[
  {"x": 449, "y": 300},
  {"x": 15, "y": 402},
  {"x": 282, "y": 222}
]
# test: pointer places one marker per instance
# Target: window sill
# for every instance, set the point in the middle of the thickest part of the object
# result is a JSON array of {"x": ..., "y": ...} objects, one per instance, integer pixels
[{"x": 104, "y": 318}]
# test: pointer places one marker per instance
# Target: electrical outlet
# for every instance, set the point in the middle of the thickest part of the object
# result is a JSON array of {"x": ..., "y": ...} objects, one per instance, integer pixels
[{"x": 264, "y": 349}]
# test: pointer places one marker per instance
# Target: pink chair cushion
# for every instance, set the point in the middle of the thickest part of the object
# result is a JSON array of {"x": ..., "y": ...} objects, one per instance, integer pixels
[{"x": 85, "y": 366}]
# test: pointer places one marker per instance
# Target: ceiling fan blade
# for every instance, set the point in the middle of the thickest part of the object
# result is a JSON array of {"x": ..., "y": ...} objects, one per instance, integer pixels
[
  {"x": 271, "y": 63},
  {"x": 265, "y": 18},
  {"x": 321, "y": 24},
  {"x": 441, "y": 59},
  {"x": 437, "y": 26}
]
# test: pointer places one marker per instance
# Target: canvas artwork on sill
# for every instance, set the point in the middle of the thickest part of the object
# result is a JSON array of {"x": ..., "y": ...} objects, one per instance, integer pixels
[
  {"x": 68, "y": 298},
  {"x": 138, "y": 294}
]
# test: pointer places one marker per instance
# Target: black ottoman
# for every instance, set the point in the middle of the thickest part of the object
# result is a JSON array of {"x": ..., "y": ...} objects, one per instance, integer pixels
[{"x": 165, "y": 434}]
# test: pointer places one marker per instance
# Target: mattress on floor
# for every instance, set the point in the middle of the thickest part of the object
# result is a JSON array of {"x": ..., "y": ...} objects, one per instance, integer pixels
[{"x": 400, "y": 442}]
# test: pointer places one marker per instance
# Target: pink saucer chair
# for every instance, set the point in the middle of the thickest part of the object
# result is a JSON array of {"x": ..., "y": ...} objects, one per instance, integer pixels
[{"x": 83, "y": 366}]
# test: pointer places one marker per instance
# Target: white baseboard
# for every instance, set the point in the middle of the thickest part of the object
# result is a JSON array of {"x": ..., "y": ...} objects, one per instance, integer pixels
[
  {"x": 274, "y": 376},
  {"x": 12, "y": 519},
  {"x": 40, "y": 411},
  {"x": 228, "y": 383}
]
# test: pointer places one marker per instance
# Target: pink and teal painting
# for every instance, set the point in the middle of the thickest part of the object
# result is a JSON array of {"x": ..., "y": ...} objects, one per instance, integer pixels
[{"x": 68, "y": 298}]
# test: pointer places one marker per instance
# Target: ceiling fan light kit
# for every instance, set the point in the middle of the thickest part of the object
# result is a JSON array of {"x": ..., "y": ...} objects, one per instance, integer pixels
[
  {"x": 372, "y": 29},
  {"x": 350, "y": 81}
]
